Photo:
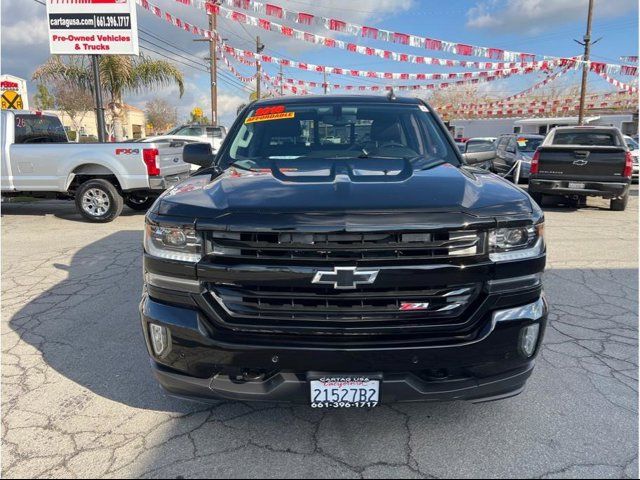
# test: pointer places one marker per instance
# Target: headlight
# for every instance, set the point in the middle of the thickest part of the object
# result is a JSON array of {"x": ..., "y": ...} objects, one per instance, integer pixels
[
  {"x": 516, "y": 243},
  {"x": 173, "y": 242}
]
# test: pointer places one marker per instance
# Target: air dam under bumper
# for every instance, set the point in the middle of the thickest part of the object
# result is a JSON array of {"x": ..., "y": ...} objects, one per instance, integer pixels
[{"x": 491, "y": 368}]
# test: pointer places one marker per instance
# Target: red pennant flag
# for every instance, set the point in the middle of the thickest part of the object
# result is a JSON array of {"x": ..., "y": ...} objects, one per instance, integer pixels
[
  {"x": 370, "y": 32},
  {"x": 462, "y": 49},
  {"x": 401, "y": 38},
  {"x": 337, "y": 25},
  {"x": 431, "y": 44},
  {"x": 274, "y": 10},
  {"x": 264, "y": 24},
  {"x": 305, "y": 18}
]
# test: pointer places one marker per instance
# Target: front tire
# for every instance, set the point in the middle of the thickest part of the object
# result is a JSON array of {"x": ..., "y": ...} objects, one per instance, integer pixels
[
  {"x": 139, "y": 202},
  {"x": 620, "y": 204},
  {"x": 99, "y": 201}
]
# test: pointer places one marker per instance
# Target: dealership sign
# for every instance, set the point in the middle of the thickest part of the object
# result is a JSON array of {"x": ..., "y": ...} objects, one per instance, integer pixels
[
  {"x": 13, "y": 93},
  {"x": 92, "y": 27}
]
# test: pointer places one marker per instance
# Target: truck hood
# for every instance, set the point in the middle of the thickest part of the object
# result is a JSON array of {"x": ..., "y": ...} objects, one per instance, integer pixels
[{"x": 441, "y": 189}]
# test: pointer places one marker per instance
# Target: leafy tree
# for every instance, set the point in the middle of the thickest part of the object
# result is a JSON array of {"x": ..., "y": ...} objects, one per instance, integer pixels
[
  {"x": 119, "y": 74},
  {"x": 43, "y": 99},
  {"x": 75, "y": 101},
  {"x": 197, "y": 116},
  {"x": 161, "y": 115}
]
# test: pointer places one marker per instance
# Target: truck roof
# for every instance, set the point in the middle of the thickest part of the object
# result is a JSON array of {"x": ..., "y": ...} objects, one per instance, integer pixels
[
  {"x": 587, "y": 127},
  {"x": 292, "y": 100}
]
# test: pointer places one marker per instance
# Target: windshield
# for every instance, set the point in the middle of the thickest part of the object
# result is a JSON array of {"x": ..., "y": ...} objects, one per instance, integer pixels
[
  {"x": 528, "y": 145},
  {"x": 575, "y": 137},
  {"x": 631, "y": 143},
  {"x": 474, "y": 146},
  {"x": 302, "y": 133}
]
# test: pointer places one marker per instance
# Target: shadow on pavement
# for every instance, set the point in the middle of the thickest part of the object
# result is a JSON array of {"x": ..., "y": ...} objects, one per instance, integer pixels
[
  {"x": 87, "y": 329},
  {"x": 63, "y": 209}
]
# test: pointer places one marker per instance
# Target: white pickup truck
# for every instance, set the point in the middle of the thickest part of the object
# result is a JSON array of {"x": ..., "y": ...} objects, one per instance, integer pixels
[{"x": 38, "y": 160}]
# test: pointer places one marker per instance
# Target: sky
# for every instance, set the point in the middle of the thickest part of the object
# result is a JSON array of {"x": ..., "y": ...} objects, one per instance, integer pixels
[{"x": 542, "y": 27}]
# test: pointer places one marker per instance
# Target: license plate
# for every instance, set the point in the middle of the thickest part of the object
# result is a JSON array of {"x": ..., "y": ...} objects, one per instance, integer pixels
[
  {"x": 577, "y": 186},
  {"x": 345, "y": 392}
]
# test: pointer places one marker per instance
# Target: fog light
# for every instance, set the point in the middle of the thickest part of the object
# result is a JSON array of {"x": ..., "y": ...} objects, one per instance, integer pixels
[
  {"x": 529, "y": 339},
  {"x": 159, "y": 339}
]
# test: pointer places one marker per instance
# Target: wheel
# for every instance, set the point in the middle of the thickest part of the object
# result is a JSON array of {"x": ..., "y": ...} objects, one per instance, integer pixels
[
  {"x": 537, "y": 197},
  {"x": 139, "y": 201},
  {"x": 620, "y": 204},
  {"x": 98, "y": 201}
]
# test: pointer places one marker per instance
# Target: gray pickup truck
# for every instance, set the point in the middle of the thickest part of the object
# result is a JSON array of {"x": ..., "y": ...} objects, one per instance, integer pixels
[
  {"x": 39, "y": 161},
  {"x": 581, "y": 162}
]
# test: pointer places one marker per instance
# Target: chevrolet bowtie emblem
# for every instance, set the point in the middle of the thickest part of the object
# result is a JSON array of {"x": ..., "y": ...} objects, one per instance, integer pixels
[{"x": 346, "y": 277}]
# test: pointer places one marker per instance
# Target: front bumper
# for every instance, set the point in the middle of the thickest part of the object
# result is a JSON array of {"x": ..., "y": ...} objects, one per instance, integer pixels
[
  {"x": 202, "y": 365},
  {"x": 591, "y": 189}
]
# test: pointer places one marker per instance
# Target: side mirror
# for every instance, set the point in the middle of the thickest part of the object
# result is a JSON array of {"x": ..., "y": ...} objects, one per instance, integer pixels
[
  {"x": 476, "y": 157},
  {"x": 199, "y": 154}
]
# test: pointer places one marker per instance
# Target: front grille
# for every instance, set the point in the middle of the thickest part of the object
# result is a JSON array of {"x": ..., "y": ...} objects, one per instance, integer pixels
[
  {"x": 335, "y": 247},
  {"x": 319, "y": 306}
]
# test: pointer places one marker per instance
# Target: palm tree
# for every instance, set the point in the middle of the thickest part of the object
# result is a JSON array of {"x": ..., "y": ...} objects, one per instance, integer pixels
[{"x": 118, "y": 74}]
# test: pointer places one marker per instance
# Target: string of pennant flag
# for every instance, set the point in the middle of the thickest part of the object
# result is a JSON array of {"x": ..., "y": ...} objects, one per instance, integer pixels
[
  {"x": 461, "y": 78},
  {"x": 524, "y": 68},
  {"x": 316, "y": 39},
  {"x": 618, "y": 84},
  {"x": 541, "y": 102},
  {"x": 344, "y": 27},
  {"x": 375, "y": 88},
  {"x": 546, "y": 109}
]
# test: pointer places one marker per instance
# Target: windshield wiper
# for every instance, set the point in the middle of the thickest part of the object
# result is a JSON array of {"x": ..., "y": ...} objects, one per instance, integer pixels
[{"x": 241, "y": 167}]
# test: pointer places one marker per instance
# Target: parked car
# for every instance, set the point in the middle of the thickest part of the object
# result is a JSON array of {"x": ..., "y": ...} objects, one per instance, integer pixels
[
  {"x": 380, "y": 269},
  {"x": 461, "y": 146},
  {"x": 514, "y": 147},
  {"x": 38, "y": 160},
  {"x": 635, "y": 154},
  {"x": 581, "y": 162},
  {"x": 480, "y": 152},
  {"x": 213, "y": 134},
  {"x": 174, "y": 141}
]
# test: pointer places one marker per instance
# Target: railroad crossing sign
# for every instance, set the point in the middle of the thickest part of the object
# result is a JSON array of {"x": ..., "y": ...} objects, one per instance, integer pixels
[{"x": 12, "y": 100}]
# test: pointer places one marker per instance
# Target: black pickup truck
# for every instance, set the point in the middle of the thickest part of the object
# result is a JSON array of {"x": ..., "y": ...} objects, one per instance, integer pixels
[
  {"x": 337, "y": 251},
  {"x": 581, "y": 162}
]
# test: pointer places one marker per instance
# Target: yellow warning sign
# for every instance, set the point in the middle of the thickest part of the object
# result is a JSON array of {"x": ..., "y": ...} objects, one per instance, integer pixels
[
  {"x": 273, "y": 116},
  {"x": 12, "y": 100}
]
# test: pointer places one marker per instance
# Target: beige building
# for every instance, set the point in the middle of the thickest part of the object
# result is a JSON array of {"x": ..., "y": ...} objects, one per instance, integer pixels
[{"x": 134, "y": 123}]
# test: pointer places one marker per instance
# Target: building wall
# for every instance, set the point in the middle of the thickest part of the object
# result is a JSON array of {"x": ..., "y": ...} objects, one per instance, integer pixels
[
  {"x": 489, "y": 127},
  {"x": 134, "y": 123},
  {"x": 492, "y": 127}
]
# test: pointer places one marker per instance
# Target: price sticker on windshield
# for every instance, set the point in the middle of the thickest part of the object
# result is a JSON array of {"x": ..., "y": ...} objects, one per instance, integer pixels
[
  {"x": 267, "y": 114},
  {"x": 522, "y": 142}
]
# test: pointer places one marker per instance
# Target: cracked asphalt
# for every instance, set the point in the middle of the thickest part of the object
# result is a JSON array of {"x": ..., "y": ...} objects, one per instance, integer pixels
[{"x": 78, "y": 399}]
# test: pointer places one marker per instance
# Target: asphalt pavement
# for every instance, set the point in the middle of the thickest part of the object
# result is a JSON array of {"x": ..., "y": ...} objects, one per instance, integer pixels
[{"x": 78, "y": 399}]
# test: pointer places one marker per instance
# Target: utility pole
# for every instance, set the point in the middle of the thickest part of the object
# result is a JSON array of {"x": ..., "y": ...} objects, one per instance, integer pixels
[
  {"x": 281, "y": 81},
  {"x": 259, "y": 49},
  {"x": 324, "y": 82},
  {"x": 213, "y": 64},
  {"x": 97, "y": 87},
  {"x": 585, "y": 65}
]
